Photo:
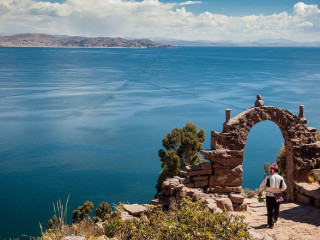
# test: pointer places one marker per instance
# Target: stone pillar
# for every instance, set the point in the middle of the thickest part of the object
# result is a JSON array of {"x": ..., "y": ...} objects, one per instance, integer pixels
[
  {"x": 228, "y": 114},
  {"x": 301, "y": 112},
  {"x": 259, "y": 101}
]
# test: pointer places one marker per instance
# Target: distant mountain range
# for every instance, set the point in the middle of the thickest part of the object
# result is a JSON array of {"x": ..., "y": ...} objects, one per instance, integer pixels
[
  {"x": 259, "y": 43},
  {"x": 44, "y": 40}
]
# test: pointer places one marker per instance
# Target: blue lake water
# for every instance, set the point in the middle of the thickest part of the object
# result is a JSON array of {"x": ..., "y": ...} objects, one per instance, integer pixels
[{"x": 89, "y": 122}]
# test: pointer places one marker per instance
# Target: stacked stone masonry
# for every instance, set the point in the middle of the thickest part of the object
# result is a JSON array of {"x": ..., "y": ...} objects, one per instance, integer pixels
[{"x": 223, "y": 173}]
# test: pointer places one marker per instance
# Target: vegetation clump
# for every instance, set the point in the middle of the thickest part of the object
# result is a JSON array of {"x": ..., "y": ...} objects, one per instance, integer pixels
[
  {"x": 181, "y": 147},
  {"x": 102, "y": 212},
  {"x": 82, "y": 212},
  {"x": 186, "y": 219}
]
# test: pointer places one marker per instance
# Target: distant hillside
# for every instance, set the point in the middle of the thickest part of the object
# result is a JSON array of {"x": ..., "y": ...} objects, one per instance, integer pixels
[
  {"x": 259, "y": 43},
  {"x": 44, "y": 40}
]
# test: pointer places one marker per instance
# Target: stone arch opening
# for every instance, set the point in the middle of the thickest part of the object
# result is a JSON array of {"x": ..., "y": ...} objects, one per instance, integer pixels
[
  {"x": 243, "y": 123},
  {"x": 263, "y": 144}
]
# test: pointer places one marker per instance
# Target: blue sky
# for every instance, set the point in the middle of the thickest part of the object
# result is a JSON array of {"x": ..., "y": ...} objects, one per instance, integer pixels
[
  {"x": 238, "y": 7},
  {"x": 215, "y": 20}
]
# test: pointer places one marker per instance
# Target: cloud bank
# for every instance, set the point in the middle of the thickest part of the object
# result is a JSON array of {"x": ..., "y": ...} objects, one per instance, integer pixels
[{"x": 153, "y": 18}]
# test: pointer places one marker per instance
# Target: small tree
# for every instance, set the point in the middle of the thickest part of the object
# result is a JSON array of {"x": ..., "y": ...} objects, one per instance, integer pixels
[
  {"x": 82, "y": 212},
  {"x": 102, "y": 212},
  {"x": 181, "y": 147}
]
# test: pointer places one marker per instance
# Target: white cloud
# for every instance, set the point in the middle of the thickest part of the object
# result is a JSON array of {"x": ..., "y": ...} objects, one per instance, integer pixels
[{"x": 153, "y": 18}]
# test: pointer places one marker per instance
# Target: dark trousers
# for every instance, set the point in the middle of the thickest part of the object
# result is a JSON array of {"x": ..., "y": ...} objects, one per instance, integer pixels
[{"x": 272, "y": 209}]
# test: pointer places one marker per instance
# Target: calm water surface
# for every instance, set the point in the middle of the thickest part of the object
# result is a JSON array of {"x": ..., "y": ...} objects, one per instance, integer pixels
[{"x": 89, "y": 122}]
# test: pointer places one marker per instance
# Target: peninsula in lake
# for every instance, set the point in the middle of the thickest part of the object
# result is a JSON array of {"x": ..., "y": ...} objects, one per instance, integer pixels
[{"x": 44, "y": 40}]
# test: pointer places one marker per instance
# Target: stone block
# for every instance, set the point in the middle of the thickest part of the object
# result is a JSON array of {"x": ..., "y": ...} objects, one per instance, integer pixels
[
  {"x": 225, "y": 189},
  {"x": 184, "y": 180},
  {"x": 209, "y": 200},
  {"x": 198, "y": 172},
  {"x": 236, "y": 198},
  {"x": 241, "y": 207},
  {"x": 309, "y": 189},
  {"x": 189, "y": 185},
  {"x": 229, "y": 162},
  {"x": 193, "y": 167},
  {"x": 221, "y": 171},
  {"x": 199, "y": 196},
  {"x": 178, "y": 187},
  {"x": 224, "y": 204},
  {"x": 201, "y": 183},
  {"x": 233, "y": 177},
  {"x": 226, "y": 180},
  {"x": 165, "y": 184},
  {"x": 303, "y": 199},
  {"x": 200, "y": 178},
  {"x": 207, "y": 165}
]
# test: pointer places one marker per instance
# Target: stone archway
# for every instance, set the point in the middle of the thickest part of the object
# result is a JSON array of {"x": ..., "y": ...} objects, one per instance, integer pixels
[
  {"x": 227, "y": 147},
  {"x": 221, "y": 177}
]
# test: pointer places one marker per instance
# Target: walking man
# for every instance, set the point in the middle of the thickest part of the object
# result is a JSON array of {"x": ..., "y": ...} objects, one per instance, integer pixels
[{"x": 274, "y": 185}]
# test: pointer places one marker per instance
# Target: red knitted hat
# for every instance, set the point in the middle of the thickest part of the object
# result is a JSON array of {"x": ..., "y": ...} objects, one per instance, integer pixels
[{"x": 274, "y": 166}]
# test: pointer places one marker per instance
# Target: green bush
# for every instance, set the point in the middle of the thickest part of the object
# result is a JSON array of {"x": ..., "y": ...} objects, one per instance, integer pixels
[
  {"x": 191, "y": 220},
  {"x": 181, "y": 148},
  {"x": 102, "y": 212},
  {"x": 82, "y": 212}
]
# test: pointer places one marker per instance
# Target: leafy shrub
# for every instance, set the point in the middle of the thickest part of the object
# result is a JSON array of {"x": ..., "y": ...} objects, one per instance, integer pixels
[
  {"x": 82, "y": 212},
  {"x": 185, "y": 220},
  {"x": 102, "y": 212},
  {"x": 192, "y": 220},
  {"x": 181, "y": 148}
]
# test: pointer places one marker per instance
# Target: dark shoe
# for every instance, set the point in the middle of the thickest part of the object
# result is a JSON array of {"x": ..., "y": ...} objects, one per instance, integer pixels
[
  {"x": 270, "y": 226},
  {"x": 275, "y": 221}
]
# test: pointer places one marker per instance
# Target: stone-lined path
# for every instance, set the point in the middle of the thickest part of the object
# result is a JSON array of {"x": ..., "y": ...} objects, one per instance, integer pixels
[{"x": 296, "y": 221}]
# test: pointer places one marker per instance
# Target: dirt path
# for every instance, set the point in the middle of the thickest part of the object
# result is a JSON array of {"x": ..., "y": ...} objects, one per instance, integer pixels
[{"x": 295, "y": 221}]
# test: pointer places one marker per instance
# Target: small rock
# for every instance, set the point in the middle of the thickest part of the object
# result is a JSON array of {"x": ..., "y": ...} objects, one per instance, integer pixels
[
  {"x": 155, "y": 202},
  {"x": 241, "y": 208},
  {"x": 126, "y": 216},
  {"x": 254, "y": 234},
  {"x": 73, "y": 237},
  {"x": 134, "y": 209},
  {"x": 267, "y": 238},
  {"x": 236, "y": 198}
]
